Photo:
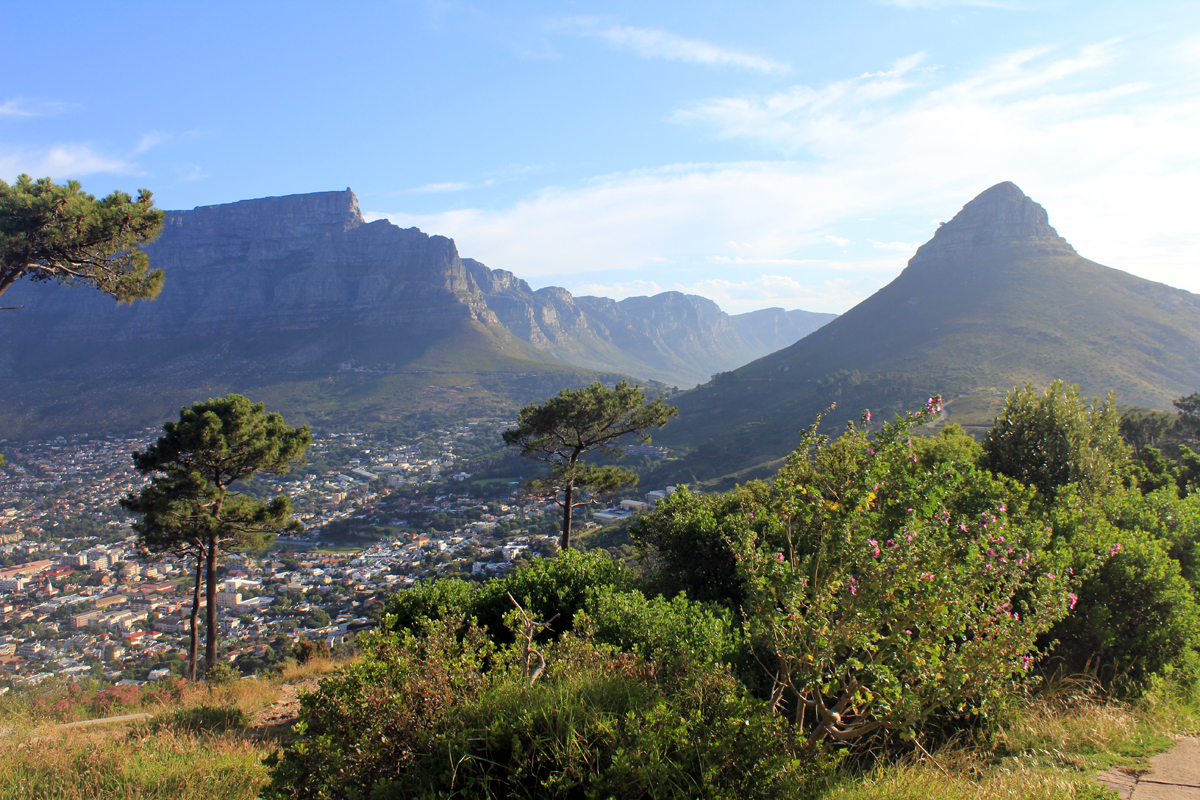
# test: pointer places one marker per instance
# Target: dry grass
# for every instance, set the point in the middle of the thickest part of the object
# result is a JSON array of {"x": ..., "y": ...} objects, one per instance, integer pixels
[
  {"x": 1050, "y": 747},
  {"x": 169, "y": 757},
  {"x": 134, "y": 765}
]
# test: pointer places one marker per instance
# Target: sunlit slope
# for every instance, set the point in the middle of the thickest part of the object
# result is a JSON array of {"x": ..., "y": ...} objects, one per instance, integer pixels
[{"x": 995, "y": 299}]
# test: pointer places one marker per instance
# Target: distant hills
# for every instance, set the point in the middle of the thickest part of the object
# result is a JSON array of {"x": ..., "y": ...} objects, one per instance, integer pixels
[
  {"x": 995, "y": 299},
  {"x": 674, "y": 338},
  {"x": 301, "y": 303}
]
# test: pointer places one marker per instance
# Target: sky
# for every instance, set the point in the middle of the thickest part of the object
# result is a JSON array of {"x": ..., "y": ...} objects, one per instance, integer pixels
[{"x": 789, "y": 154}]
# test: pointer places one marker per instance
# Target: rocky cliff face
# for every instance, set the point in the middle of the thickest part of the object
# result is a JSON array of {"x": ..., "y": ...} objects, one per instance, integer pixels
[
  {"x": 277, "y": 264},
  {"x": 1001, "y": 219},
  {"x": 670, "y": 337}
]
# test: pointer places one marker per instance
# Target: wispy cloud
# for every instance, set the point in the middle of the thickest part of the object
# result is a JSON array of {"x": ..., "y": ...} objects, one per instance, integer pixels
[
  {"x": 650, "y": 43},
  {"x": 20, "y": 107},
  {"x": 449, "y": 186},
  {"x": 61, "y": 162},
  {"x": 150, "y": 140},
  {"x": 15, "y": 108},
  {"x": 191, "y": 172},
  {"x": 1113, "y": 163},
  {"x": 902, "y": 247}
]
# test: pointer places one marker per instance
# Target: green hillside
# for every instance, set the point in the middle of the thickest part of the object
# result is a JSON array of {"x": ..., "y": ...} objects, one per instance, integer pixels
[
  {"x": 468, "y": 370},
  {"x": 994, "y": 300}
]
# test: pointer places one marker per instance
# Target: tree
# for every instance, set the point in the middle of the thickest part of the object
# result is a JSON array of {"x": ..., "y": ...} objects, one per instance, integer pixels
[
  {"x": 1144, "y": 428},
  {"x": 190, "y": 500},
  {"x": 1048, "y": 439},
  {"x": 579, "y": 421},
  {"x": 56, "y": 232},
  {"x": 1188, "y": 423}
]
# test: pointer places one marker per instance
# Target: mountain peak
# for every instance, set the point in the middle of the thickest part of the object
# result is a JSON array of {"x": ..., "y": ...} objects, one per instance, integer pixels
[{"x": 1000, "y": 218}]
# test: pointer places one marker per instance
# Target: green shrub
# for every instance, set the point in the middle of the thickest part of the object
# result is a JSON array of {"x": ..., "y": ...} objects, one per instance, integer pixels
[
  {"x": 1134, "y": 617},
  {"x": 545, "y": 588},
  {"x": 676, "y": 631},
  {"x": 421, "y": 717},
  {"x": 221, "y": 674}
]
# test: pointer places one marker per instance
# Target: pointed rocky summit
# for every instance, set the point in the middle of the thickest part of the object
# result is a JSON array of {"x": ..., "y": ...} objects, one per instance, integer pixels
[
  {"x": 995, "y": 299},
  {"x": 1003, "y": 219}
]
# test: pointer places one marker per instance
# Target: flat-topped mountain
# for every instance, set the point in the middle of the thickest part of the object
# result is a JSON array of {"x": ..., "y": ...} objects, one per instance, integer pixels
[
  {"x": 301, "y": 302},
  {"x": 996, "y": 298}
]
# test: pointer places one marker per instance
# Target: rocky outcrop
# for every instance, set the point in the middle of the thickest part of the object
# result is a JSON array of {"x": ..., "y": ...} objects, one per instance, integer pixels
[{"x": 1000, "y": 219}]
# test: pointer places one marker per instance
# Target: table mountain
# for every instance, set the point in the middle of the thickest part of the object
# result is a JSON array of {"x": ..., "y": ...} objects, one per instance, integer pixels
[
  {"x": 995, "y": 299},
  {"x": 301, "y": 302}
]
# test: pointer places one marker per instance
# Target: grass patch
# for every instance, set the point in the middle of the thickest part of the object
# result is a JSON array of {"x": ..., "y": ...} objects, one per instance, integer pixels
[{"x": 141, "y": 765}]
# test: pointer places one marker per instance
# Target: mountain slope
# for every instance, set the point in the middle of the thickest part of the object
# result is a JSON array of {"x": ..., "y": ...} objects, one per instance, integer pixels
[{"x": 995, "y": 299}]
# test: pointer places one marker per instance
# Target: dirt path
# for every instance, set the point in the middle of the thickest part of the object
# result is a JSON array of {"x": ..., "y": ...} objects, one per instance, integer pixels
[
  {"x": 1173, "y": 775},
  {"x": 282, "y": 714}
]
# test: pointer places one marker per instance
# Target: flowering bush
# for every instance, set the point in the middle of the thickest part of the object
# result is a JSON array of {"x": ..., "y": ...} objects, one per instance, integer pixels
[{"x": 885, "y": 590}]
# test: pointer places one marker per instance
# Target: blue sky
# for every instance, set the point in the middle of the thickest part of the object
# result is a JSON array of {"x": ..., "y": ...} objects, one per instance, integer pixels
[{"x": 786, "y": 154}]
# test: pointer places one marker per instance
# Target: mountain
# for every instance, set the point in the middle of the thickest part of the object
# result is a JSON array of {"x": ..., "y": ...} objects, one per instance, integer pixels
[
  {"x": 995, "y": 299},
  {"x": 300, "y": 302},
  {"x": 671, "y": 337},
  {"x": 297, "y": 301}
]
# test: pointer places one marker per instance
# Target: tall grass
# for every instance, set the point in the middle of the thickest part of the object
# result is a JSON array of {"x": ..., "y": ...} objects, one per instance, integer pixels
[{"x": 139, "y": 765}]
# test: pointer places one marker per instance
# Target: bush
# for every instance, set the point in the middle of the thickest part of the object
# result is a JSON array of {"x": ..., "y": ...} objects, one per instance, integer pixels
[
  {"x": 1135, "y": 617},
  {"x": 422, "y": 717},
  {"x": 545, "y": 588},
  {"x": 671, "y": 632},
  {"x": 222, "y": 673},
  {"x": 1049, "y": 439},
  {"x": 308, "y": 649}
]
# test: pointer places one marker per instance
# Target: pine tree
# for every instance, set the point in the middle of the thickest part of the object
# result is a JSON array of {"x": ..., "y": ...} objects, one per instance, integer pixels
[{"x": 189, "y": 504}]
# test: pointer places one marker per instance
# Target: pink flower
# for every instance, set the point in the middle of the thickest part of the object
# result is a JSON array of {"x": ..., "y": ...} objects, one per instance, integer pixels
[
  {"x": 853, "y": 586},
  {"x": 926, "y": 576},
  {"x": 1074, "y": 599},
  {"x": 779, "y": 557},
  {"x": 866, "y": 417},
  {"x": 1116, "y": 548},
  {"x": 1050, "y": 575},
  {"x": 1026, "y": 662}
]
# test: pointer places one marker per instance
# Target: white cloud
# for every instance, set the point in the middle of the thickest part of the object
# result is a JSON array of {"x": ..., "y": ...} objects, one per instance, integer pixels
[
  {"x": 15, "y": 108},
  {"x": 448, "y": 186},
  {"x": 150, "y": 140},
  {"x": 1113, "y": 162},
  {"x": 766, "y": 291},
  {"x": 618, "y": 291},
  {"x": 191, "y": 172},
  {"x": 649, "y": 43},
  {"x": 903, "y": 247},
  {"x": 61, "y": 162}
]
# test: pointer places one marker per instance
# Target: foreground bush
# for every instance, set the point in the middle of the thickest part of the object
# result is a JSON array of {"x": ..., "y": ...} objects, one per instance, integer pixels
[{"x": 428, "y": 717}]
